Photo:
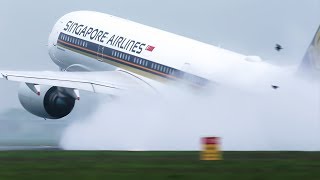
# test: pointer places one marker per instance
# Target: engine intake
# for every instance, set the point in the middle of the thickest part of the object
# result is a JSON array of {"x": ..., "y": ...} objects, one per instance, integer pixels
[{"x": 52, "y": 103}]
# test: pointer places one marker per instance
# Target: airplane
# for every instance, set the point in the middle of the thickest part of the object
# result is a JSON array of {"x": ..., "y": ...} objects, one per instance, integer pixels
[{"x": 101, "y": 53}]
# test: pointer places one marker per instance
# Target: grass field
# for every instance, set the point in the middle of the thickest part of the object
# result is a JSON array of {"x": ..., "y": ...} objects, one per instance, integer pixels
[{"x": 57, "y": 165}]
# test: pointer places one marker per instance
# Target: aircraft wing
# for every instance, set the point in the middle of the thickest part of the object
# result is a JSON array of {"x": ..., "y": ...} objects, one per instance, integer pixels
[{"x": 108, "y": 82}]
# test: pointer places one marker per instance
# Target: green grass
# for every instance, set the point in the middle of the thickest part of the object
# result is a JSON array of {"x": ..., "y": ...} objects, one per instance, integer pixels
[{"x": 57, "y": 165}]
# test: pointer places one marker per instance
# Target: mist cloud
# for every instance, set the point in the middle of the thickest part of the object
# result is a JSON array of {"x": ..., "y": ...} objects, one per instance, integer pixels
[{"x": 287, "y": 119}]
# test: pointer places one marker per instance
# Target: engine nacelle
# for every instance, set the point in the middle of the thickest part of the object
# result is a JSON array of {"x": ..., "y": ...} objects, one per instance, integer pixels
[{"x": 51, "y": 103}]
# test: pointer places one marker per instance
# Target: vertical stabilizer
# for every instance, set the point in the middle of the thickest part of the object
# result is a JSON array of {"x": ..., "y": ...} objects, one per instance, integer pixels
[{"x": 310, "y": 65}]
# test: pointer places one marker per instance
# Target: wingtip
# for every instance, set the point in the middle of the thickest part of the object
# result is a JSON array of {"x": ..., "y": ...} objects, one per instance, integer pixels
[{"x": 4, "y": 76}]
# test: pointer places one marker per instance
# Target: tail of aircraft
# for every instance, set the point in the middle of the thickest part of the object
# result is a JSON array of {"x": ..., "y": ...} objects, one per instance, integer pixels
[{"x": 310, "y": 65}]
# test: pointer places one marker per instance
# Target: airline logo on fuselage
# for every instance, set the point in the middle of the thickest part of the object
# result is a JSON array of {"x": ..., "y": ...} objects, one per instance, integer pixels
[{"x": 107, "y": 38}]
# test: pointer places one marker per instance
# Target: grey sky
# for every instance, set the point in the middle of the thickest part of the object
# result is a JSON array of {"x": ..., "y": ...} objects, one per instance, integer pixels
[{"x": 250, "y": 27}]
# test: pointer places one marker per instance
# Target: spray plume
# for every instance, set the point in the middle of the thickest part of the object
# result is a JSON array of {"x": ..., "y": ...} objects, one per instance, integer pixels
[{"x": 286, "y": 119}]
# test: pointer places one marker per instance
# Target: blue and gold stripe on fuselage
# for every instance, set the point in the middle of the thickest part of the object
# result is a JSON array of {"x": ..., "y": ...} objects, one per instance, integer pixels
[{"x": 128, "y": 62}]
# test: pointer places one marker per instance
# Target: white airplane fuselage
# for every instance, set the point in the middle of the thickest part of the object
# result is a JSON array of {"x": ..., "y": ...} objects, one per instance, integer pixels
[
  {"x": 92, "y": 41},
  {"x": 100, "y": 53}
]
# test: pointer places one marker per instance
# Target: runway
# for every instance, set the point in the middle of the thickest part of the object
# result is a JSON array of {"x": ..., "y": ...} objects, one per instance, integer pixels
[{"x": 30, "y": 148}]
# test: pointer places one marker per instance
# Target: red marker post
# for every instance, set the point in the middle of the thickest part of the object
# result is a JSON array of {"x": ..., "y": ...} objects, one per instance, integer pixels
[{"x": 211, "y": 149}]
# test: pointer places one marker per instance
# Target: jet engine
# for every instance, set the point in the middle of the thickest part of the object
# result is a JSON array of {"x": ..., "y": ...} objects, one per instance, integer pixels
[{"x": 47, "y": 101}]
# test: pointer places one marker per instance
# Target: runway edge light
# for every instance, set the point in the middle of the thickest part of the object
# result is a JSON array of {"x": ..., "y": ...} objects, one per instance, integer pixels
[{"x": 211, "y": 149}]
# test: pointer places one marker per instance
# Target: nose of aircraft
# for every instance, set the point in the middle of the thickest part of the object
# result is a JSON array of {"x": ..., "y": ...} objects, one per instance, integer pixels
[
  {"x": 52, "y": 42},
  {"x": 53, "y": 39}
]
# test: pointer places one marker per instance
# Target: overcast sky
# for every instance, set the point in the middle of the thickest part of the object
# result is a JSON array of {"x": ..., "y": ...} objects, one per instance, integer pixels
[{"x": 251, "y": 27}]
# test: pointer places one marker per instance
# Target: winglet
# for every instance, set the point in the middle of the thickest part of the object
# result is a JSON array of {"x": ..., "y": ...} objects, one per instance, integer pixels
[{"x": 4, "y": 76}]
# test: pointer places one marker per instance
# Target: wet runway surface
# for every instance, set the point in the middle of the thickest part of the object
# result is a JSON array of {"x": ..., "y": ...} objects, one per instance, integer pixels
[{"x": 30, "y": 148}]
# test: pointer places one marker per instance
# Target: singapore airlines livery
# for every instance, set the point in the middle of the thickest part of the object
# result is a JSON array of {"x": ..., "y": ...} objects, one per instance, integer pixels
[{"x": 101, "y": 53}]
